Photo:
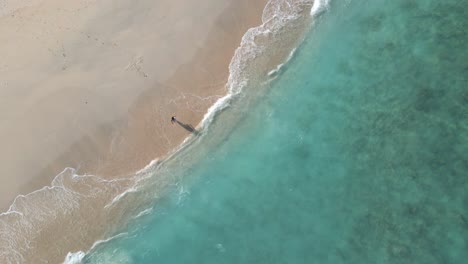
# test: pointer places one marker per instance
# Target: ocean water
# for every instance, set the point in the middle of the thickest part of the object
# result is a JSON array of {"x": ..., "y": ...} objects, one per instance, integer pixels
[{"x": 357, "y": 153}]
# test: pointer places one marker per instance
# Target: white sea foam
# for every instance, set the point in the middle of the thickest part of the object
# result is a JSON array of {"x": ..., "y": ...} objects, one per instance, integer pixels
[
  {"x": 148, "y": 168},
  {"x": 319, "y": 6},
  {"x": 280, "y": 66},
  {"x": 120, "y": 196},
  {"x": 74, "y": 258},
  {"x": 276, "y": 70},
  {"x": 291, "y": 55},
  {"x": 77, "y": 257},
  {"x": 144, "y": 212}
]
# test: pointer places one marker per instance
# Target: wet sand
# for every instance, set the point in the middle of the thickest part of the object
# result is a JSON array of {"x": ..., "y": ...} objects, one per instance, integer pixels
[{"x": 92, "y": 84}]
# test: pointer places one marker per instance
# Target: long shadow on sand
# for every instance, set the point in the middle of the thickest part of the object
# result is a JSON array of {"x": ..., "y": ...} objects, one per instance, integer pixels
[{"x": 188, "y": 127}]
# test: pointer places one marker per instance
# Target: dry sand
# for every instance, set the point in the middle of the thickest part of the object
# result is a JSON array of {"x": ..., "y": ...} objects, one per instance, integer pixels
[{"x": 92, "y": 84}]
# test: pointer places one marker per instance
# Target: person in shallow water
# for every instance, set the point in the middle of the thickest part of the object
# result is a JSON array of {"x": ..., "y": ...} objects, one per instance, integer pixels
[{"x": 173, "y": 120}]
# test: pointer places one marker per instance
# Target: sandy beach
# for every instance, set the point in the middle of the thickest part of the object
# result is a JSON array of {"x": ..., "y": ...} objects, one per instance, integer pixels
[{"x": 92, "y": 84}]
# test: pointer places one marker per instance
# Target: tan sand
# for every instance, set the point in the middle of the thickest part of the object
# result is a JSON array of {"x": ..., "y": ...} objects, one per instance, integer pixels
[{"x": 92, "y": 84}]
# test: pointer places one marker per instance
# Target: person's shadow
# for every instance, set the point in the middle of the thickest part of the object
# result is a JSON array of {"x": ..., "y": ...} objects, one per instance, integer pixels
[{"x": 188, "y": 127}]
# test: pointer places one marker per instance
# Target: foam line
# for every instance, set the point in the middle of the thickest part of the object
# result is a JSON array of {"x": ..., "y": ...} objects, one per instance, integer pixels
[
  {"x": 318, "y": 7},
  {"x": 77, "y": 257}
]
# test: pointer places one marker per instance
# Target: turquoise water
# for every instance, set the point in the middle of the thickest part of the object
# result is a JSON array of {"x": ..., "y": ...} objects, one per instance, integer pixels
[{"x": 357, "y": 154}]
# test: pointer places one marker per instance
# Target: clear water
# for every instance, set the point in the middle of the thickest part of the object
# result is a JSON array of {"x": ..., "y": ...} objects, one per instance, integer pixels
[{"x": 357, "y": 154}]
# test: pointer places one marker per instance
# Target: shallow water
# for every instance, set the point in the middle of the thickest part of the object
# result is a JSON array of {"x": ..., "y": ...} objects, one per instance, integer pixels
[{"x": 357, "y": 154}]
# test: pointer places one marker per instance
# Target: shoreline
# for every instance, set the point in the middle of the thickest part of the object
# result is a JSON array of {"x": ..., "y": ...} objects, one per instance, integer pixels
[{"x": 274, "y": 62}]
